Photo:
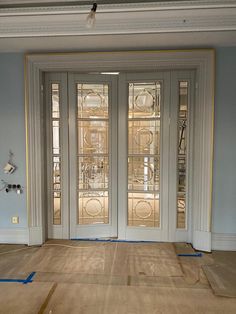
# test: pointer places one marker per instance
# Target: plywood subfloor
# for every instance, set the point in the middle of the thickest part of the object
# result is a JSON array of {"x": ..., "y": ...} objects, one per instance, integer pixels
[
  {"x": 222, "y": 274},
  {"x": 102, "y": 277}
]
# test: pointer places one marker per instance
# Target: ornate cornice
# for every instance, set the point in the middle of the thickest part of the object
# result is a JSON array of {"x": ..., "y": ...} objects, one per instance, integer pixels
[{"x": 121, "y": 18}]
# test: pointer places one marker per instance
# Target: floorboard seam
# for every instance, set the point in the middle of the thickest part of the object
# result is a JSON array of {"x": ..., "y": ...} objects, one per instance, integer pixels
[{"x": 48, "y": 298}]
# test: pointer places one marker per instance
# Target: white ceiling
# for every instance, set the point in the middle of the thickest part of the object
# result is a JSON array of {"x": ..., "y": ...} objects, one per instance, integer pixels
[{"x": 120, "y": 26}]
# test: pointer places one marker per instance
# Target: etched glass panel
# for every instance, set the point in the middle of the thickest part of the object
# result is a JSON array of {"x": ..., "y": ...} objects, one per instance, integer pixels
[
  {"x": 144, "y": 137},
  {"x": 93, "y": 173},
  {"x": 182, "y": 154},
  {"x": 93, "y": 153},
  {"x": 143, "y": 209},
  {"x": 93, "y": 207},
  {"x": 143, "y": 173},
  {"x": 56, "y": 173},
  {"x": 56, "y": 165},
  {"x": 55, "y": 101},
  {"x": 93, "y": 137},
  {"x": 144, "y": 154},
  {"x": 92, "y": 100},
  {"x": 56, "y": 136},
  {"x": 56, "y": 208},
  {"x": 144, "y": 100}
]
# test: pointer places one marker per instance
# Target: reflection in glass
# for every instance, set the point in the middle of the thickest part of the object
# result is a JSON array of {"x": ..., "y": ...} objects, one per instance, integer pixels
[
  {"x": 182, "y": 154},
  {"x": 56, "y": 168},
  {"x": 143, "y": 154},
  {"x": 93, "y": 153}
]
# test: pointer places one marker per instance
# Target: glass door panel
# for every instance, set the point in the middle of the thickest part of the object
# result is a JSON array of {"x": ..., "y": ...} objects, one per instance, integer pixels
[
  {"x": 57, "y": 155},
  {"x": 143, "y": 184},
  {"x": 143, "y": 154},
  {"x": 133, "y": 185},
  {"x": 93, "y": 157},
  {"x": 93, "y": 131}
]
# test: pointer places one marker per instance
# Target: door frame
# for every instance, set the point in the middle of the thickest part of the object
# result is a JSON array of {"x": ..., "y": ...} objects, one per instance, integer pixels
[{"x": 201, "y": 60}]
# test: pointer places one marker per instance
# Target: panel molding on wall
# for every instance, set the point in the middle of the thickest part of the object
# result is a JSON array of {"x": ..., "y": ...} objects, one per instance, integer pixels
[
  {"x": 14, "y": 235},
  {"x": 224, "y": 241}
]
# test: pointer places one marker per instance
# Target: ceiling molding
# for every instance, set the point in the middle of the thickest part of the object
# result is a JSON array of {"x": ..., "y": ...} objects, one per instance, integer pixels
[{"x": 122, "y": 18}]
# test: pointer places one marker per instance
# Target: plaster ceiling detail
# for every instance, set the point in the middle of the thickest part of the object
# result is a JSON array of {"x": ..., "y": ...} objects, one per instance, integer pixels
[
  {"x": 122, "y": 18},
  {"x": 123, "y": 24}
]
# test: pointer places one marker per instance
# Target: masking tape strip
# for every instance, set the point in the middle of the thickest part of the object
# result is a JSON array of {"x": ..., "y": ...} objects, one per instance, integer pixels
[
  {"x": 191, "y": 254},
  {"x": 111, "y": 240},
  {"x": 24, "y": 281}
]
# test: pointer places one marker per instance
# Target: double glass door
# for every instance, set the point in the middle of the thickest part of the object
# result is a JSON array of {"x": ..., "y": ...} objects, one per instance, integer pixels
[{"x": 118, "y": 153}]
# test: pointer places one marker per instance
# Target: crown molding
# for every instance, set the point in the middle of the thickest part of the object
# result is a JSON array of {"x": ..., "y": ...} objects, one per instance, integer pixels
[{"x": 122, "y": 18}]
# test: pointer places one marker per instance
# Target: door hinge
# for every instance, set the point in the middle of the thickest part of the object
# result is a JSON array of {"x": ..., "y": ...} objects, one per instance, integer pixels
[{"x": 42, "y": 89}]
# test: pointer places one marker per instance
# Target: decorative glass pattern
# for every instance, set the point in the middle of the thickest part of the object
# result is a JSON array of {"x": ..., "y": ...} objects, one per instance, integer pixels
[
  {"x": 143, "y": 210},
  {"x": 182, "y": 154},
  {"x": 93, "y": 153},
  {"x": 56, "y": 160},
  {"x": 143, "y": 154}
]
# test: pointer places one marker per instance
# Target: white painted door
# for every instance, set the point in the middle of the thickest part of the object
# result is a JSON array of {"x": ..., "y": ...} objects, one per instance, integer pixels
[
  {"x": 125, "y": 149},
  {"x": 93, "y": 155}
]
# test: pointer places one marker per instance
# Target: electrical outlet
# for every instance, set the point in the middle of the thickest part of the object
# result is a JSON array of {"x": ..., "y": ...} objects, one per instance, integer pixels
[{"x": 15, "y": 219}]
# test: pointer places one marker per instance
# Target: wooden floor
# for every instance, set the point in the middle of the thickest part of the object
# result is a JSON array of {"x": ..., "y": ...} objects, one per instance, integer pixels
[{"x": 87, "y": 277}]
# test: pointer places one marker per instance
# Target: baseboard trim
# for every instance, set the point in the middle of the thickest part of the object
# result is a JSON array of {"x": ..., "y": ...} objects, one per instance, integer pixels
[
  {"x": 224, "y": 241},
  {"x": 35, "y": 235},
  {"x": 202, "y": 241},
  {"x": 14, "y": 236}
]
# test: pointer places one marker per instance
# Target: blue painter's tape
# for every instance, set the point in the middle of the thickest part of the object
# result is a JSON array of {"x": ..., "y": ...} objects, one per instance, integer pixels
[
  {"x": 191, "y": 255},
  {"x": 12, "y": 280},
  {"x": 24, "y": 281},
  {"x": 111, "y": 240},
  {"x": 29, "y": 278}
]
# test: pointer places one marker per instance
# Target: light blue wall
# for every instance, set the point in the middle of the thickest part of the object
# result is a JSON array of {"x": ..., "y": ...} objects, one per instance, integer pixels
[
  {"x": 224, "y": 179},
  {"x": 12, "y": 136}
]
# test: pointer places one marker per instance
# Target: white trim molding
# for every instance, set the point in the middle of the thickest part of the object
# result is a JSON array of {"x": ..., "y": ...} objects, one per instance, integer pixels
[
  {"x": 224, "y": 241},
  {"x": 203, "y": 61},
  {"x": 118, "y": 18},
  {"x": 14, "y": 235}
]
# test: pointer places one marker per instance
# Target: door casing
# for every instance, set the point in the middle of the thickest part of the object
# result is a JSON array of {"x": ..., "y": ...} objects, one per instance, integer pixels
[
  {"x": 202, "y": 60},
  {"x": 118, "y": 97}
]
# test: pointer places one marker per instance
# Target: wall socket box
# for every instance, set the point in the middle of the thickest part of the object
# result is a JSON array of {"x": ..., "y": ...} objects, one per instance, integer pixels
[{"x": 15, "y": 219}]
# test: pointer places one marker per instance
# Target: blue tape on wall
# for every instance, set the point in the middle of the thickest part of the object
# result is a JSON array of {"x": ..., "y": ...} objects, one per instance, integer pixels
[{"x": 24, "y": 281}]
